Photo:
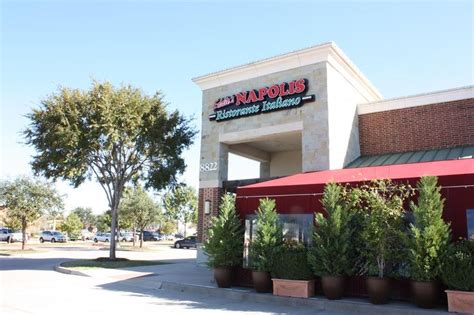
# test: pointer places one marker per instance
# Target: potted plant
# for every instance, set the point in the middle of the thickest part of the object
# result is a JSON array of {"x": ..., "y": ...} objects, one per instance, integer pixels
[
  {"x": 329, "y": 255},
  {"x": 268, "y": 239},
  {"x": 458, "y": 276},
  {"x": 291, "y": 274},
  {"x": 427, "y": 241},
  {"x": 382, "y": 234},
  {"x": 224, "y": 247}
]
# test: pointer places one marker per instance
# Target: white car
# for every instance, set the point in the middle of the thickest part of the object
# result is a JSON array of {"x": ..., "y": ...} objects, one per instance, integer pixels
[
  {"x": 52, "y": 236},
  {"x": 126, "y": 236},
  {"x": 102, "y": 237},
  {"x": 7, "y": 235}
]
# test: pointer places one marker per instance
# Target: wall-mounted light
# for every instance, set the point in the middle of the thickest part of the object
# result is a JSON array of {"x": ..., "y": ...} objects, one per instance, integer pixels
[{"x": 207, "y": 207}]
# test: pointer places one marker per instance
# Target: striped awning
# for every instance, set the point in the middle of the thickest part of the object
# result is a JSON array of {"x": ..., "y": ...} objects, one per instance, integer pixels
[{"x": 465, "y": 152}]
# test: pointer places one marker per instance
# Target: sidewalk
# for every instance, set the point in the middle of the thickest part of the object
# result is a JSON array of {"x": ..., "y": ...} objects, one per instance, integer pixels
[{"x": 187, "y": 277}]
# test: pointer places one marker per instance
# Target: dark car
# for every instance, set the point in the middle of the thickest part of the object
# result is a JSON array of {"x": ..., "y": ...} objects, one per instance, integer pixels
[
  {"x": 150, "y": 236},
  {"x": 188, "y": 242}
]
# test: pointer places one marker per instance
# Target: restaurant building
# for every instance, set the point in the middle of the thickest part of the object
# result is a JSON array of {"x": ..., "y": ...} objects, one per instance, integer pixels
[{"x": 309, "y": 117}]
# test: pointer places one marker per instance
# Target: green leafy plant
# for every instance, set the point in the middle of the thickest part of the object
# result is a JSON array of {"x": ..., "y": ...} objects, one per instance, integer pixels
[
  {"x": 330, "y": 253},
  {"x": 72, "y": 226},
  {"x": 429, "y": 235},
  {"x": 458, "y": 269},
  {"x": 268, "y": 237},
  {"x": 225, "y": 243},
  {"x": 383, "y": 227},
  {"x": 291, "y": 262}
]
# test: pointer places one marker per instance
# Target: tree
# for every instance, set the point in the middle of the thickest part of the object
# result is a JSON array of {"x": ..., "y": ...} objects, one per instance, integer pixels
[
  {"x": 27, "y": 200},
  {"x": 140, "y": 209},
  {"x": 167, "y": 227},
  {"x": 226, "y": 235},
  {"x": 72, "y": 225},
  {"x": 115, "y": 135},
  {"x": 104, "y": 221},
  {"x": 429, "y": 235},
  {"x": 331, "y": 251},
  {"x": 268, "y": 239},
  {"x": 181, "y": 204},
  {"x": 86, "y": 216}
]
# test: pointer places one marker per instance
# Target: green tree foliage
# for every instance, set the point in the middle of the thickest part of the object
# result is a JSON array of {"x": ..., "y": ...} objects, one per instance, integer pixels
[
  {"x": 181, "y": 205},
  {"x": 72, "y": 226},
  {"x": 383, "y": 227},
  {"x": 26, "y": 200},
  {"x": 268, "y": 238},
  {"x": 225, "y": 243},
  {"x": 429, "y": 235},
  {"x": 87, "y": 217},
  {"x": 115, "y": 135},
  {"x": 54, "y": 214},
  {"x": 458, "y": 267},
  {"x": 139, "y": 209},
  {"x": 167, "y": 227},
  {"x": 330, "y": 254},
  {"x": 104, "y": 221}
]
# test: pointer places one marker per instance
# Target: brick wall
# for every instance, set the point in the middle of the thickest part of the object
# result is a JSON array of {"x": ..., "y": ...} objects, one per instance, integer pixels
[
  {"x": 204, "y": 220},
  {"x": 434, "y": 126}
]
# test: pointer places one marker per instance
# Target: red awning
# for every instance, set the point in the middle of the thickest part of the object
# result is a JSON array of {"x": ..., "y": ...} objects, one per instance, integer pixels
[{"x": 463, "y": 167}]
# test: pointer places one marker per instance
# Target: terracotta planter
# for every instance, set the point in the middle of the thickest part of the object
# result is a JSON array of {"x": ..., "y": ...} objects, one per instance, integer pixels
[
  {"x": 425, "y": 293},
  {"x": 460, "y": 301},
  {"x": 262, "y": 281},
  {"x": 223, "y": 277},
  {"x": 293, "y": 288},
  {"x": 378, "y": 289},
  {"x": 333, "y": 286}
]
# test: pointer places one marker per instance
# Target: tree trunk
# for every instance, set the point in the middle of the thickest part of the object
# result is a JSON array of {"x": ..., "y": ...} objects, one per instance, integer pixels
[
  {"x": 112, "y": 232},
  {"x": 23, "y": 231},
  {"x": 141, "y": 238},
  {"x": 185, "y": 228}
]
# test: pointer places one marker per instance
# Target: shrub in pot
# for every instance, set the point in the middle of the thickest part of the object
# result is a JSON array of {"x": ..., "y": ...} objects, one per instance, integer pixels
[
  {"x": 330, "y": 254},
  {"x": 427, "y": 242},
  {"x": 224, "y": 247},
  {"x": 291, "y": 274},
  {"x": 267, "y": 241},
  {"x": 382, "y": 234},
  {"x": 458, "y": 276}
]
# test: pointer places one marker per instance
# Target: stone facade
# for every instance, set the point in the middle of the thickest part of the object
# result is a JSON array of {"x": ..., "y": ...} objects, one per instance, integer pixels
[{"x": 434, "y": 126}]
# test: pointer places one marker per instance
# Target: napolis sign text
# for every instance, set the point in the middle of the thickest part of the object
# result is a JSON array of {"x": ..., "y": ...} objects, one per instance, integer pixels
[{"x": 285, "y": 95}]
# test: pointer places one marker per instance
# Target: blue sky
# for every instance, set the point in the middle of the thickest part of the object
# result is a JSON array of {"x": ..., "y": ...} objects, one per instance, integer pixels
[{"x": 402, "y": 47}]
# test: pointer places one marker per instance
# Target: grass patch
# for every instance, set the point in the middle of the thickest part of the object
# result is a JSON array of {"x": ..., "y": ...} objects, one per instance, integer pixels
[{"x": 107, "y": 263}]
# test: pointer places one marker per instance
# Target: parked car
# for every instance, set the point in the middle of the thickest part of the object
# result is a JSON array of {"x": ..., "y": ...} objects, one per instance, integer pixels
[
  {"x": 149, "y": 236},
  {"x": 126, "y": 236},
  {"x": 52, "y": 236},
  {"x": 86, "y": 235},
  {"x": 187, "y": 242},
  {"x": 102, "y": 237},
  {"x": 169, "y": 237},
  {"x": 9, "y": 236}
]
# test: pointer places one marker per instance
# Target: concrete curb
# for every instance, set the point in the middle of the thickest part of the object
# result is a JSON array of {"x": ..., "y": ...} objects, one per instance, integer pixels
[
  {"x": 69, "y": 271},
  {"x": 350, "y": 306}
]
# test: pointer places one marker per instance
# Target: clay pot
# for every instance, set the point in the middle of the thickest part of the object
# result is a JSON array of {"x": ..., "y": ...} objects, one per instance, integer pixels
[
  {"x": 460, "y": 301},
  {"x": 223, "y": 277},
  {"x": 262, "y": 281},
  {"x": 333, "y": 286},
  {"x": 425, "y": 293},
  {"x": 378, "y": 289}
]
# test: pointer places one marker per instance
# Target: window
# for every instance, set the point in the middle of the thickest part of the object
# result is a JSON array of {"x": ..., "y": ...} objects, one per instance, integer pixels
[
  {"x": 296, "y": 227},
  {"x": 470, "y": 224}
]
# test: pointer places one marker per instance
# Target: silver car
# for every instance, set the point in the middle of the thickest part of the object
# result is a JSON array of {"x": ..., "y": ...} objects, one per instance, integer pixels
[
  {"x": 7, "y": 235},
  {"x": 52, "y": 236}
]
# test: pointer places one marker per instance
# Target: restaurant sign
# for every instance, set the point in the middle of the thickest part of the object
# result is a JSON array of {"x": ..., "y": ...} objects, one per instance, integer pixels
[{"x": 281, "y": 96}]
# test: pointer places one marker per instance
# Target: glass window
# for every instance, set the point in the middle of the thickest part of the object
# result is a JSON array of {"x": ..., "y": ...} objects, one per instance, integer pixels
[
  {"x": 296, "y": 227},
  {"x": 470, "y": 224}
]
